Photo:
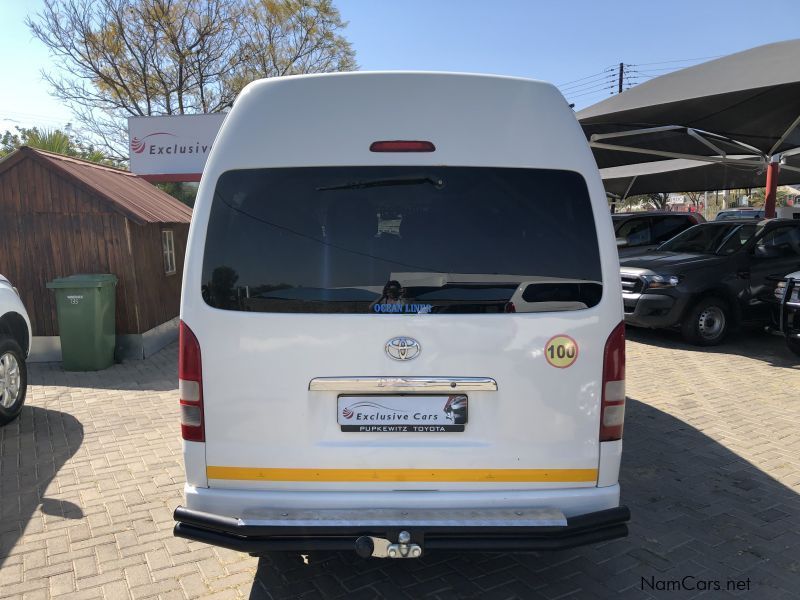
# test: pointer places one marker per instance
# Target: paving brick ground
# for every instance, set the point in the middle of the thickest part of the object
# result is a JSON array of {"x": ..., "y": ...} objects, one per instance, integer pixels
[{"x": 90, "y": 473}]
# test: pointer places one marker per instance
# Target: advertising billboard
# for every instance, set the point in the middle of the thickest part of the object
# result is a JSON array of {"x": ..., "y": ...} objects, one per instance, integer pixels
[{"x": 171, "y": 148}]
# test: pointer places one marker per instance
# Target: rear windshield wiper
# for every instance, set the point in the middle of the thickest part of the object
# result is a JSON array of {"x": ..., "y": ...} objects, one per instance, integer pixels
[{"x": 436, "y": 182}]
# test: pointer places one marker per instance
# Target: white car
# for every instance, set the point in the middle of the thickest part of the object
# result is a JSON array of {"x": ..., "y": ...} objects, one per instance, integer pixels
[
  {"x": 354, "y": 374},
  {"x": 15, "y": 342}
]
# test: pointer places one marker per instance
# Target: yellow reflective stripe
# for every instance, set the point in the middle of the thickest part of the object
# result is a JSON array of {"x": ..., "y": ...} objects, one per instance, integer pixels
[{"x": 444, "y": 475}]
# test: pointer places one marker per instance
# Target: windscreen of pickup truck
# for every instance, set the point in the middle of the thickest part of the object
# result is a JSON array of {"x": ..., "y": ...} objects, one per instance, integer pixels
[
  {"x": 711, "y": 238},
  {"x": 401, "y": 240}
]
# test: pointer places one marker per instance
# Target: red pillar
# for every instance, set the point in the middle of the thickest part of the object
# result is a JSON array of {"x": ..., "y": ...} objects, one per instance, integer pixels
[{"x": 773, "y": 170}]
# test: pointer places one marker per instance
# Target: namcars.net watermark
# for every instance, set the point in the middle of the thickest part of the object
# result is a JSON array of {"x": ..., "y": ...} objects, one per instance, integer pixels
[{"x": 692, "y": 583}]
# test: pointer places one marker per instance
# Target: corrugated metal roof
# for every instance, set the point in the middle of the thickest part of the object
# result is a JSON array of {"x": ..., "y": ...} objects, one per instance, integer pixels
[{"x": 131, "y": 195}]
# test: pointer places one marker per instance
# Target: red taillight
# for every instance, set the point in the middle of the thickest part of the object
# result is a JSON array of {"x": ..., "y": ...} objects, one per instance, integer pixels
[
  {"x": 612, "y": 406},
  {"x": 190, "y": 384},
  {"x": 402, "y": 146}
]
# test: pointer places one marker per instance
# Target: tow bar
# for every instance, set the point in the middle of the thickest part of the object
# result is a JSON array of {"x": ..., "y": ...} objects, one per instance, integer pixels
[{"x": 367, "y": 546}]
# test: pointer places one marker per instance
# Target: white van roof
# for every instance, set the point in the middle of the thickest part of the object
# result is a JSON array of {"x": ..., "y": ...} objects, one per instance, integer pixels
[{"x": 331, "y": 120}]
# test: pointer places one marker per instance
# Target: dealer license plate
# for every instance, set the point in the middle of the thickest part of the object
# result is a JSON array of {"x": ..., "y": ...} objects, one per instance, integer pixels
[{"x": 402, "y": 414}]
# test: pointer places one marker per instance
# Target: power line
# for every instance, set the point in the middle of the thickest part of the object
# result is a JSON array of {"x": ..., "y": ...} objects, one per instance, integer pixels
[
  {"x": 588, "y": 87},
  {"x": 659, "y": 69},
  {"x": 22, "y": 117},
  {"x": 595, "y": 85},
  {"x": 582, "y": 80},
  {"x": 679, "y": 60},
  {"x": 614, "y": 79},
  {"x": 644, "y": 74},
  {"x": 623, "y": 77},
  {"x": 610, "y": 88},
  {"x": 606, "y": 70},
  {"x": 604, "y": 77},
  {"x": 599, "y": 86}
]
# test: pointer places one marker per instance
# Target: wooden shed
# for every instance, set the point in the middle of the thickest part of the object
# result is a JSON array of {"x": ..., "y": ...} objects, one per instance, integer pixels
[{"x": 61, "y": 215}]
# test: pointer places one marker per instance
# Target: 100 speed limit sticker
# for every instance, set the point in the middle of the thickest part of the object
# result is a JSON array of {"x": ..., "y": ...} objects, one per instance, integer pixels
[{"x": 561, "y": 351}]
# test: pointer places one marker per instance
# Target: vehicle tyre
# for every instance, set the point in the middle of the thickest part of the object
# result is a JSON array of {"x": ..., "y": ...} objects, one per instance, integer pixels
[
  {"x": 13, "y": 379},
  {"x": 794, "y": 345},
  {"x": 707, "y": 322}
]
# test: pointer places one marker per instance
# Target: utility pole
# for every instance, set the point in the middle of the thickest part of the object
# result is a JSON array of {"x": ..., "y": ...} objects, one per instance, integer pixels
[{"x": 619, "y": 81}]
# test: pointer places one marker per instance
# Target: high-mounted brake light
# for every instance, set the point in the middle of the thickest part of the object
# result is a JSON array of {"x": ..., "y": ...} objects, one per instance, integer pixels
[
  {"x": 190, "y": 385},
  {"x": 402, "y": 146},
  {"x": 612, "y": 405}
]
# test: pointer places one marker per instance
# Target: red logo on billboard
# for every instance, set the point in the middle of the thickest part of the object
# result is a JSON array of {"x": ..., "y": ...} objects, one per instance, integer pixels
[
  {"x": 138, "y": 145},
  {"x": 347, "y": 413}
]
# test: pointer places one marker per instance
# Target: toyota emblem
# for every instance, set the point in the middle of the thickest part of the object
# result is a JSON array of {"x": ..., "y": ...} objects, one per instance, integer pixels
[{"x": 403, "y": 348}]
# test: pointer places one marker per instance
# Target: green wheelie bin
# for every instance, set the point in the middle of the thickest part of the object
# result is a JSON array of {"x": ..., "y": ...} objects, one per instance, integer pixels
[{"x": 86, "y": 305}]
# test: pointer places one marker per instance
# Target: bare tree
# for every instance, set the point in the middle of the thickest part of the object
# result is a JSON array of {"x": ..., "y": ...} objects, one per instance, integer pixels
[
  {"x": 294, "y": 37},
  {"x": 124, "y": 58},
  {"x": 695, "y": 198}
]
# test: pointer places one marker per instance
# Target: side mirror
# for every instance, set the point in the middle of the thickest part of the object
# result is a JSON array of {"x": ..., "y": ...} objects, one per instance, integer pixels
[{"x": 622, "y": 242}]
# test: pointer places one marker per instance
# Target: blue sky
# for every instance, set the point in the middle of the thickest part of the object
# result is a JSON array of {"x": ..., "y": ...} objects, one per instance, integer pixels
[{"x": 558, "y": 41}]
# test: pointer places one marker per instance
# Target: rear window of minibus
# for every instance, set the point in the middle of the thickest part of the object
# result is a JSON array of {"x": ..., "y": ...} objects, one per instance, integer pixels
[{"x": 401, "y": 240}]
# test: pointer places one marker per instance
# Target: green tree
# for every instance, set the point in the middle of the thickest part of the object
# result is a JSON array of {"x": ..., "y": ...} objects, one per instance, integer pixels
[
  {"x": 185, "y": 192},
  {"x": 645, "y": 202},
  {"x": 658, "y": 201},
  {"x": 126, "y": 58},
  {"x": 60, "y": 141}
]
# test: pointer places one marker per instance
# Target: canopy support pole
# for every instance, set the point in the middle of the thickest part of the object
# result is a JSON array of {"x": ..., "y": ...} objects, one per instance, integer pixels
[
  {"x": 630, "y": 185},
  {"x": 773, "y": 170},
  {"x": 785, "y": 135},
  {"x": 698, "y": 157},
  {"x": 698, "y": 134}
]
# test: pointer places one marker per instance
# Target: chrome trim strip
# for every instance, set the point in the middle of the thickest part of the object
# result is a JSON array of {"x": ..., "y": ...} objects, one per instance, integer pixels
[
  {"x": 487, "y": 517},
  {"x": 402, "y": 384}
]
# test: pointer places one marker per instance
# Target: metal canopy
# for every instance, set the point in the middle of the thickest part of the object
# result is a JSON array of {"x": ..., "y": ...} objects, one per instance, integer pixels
[
  {"x": 683, "y": 175},
  {"x": 744, "y": 103}
]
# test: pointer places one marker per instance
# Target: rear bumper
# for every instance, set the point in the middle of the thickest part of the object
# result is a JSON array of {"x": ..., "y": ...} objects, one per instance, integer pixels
[
  {"x": 249, "y": 504},
  {"x": 237, "y": 534}
]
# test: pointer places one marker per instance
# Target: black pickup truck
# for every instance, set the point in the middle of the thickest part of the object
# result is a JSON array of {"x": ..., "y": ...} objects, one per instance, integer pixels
[{"x": 709, "y": 277}]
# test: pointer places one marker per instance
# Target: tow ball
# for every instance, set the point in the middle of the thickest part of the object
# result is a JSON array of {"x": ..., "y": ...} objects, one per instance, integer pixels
[{"x": 367, "y": 546}]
